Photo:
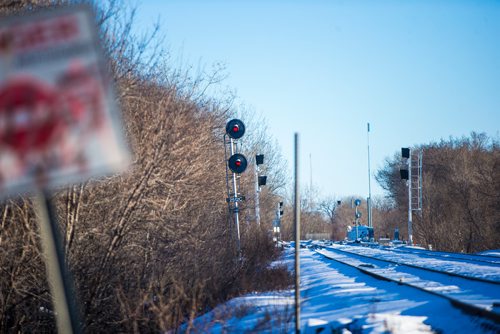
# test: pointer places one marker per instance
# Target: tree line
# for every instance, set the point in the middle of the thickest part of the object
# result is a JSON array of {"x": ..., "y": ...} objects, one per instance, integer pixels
[{"x": 460, "y": 199}]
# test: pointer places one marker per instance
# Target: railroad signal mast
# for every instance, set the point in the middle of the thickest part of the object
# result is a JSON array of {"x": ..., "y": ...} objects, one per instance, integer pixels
[
  {"x": 357, "y": 216},
  {"x": 259, "y": 181},
  {"x": 411, "y": 171},
  {"x": 236, "y": 164},
  {"x": 277, "y": 222}
]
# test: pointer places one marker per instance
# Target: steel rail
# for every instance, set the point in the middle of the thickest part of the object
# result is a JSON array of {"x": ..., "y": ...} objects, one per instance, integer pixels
[
  {"x": 479, "y": 279},
  {"x": 459, "y": 304},
  {"x": 495, "y": 260}
]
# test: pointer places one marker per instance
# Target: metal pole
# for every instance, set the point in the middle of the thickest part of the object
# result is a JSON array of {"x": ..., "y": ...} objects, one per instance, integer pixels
[
  {"x": 60, "y": 283},
  {"x": 357, "y": 223},
  {"x": 410, "y": 231},
  {"x": 236, "y": 209},
  {"x": 310, "y": 173},
  {"x": 369, "y": 200},
  {"x": 297, "y": 237},
  {"x": 227, "y": 188},
  {"x": 257, "y": 191}
]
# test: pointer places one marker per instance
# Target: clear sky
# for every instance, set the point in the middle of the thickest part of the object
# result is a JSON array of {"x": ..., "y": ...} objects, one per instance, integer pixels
[{"x": 418, "y": 71}]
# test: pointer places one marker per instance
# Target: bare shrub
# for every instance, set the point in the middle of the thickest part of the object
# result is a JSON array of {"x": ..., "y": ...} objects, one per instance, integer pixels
[
  {"x": 460, "y": 194},
  {"x": 151, "y": 248}
]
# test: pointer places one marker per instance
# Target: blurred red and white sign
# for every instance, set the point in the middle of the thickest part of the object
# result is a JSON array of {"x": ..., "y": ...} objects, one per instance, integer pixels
[{"x": 59, "y": 120}]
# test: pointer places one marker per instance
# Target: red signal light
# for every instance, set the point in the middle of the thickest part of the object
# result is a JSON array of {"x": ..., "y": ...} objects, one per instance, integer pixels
[
  {"x": 237, "y": 163},
  {"x": 235, "y": 129}
]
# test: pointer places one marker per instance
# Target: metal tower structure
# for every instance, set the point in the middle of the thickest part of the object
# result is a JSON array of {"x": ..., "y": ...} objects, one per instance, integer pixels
[{"x": 414, "y": 183}]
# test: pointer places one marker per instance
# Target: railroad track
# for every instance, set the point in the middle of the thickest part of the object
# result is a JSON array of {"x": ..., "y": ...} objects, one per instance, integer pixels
[
  {"x": 467, "y": 258},
  {"x": 489, "y": 273},
  {"x": 472, "y": 295}
]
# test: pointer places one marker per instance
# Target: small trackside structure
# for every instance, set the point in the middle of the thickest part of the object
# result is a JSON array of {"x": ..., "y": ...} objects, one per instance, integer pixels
[
  {"x": 359, "y": 232},
  {"x": 364, "y": 233}
]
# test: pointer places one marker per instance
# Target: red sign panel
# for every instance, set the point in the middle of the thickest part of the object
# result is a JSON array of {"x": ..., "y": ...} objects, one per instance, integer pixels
[{"x": 59, "y": 122}]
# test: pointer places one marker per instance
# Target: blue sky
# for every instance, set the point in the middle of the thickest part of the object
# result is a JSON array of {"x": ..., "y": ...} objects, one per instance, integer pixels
[{"x": 418, "y": 71}]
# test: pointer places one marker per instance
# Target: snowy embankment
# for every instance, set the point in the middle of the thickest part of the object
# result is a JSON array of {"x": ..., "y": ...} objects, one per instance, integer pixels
[{"x": 338, "y": 297}]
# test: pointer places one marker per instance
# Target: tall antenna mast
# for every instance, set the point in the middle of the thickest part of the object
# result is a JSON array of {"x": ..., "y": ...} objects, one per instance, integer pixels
[
  {"x": 369, "y": 201},
  {"x": 311, "y": 172}
]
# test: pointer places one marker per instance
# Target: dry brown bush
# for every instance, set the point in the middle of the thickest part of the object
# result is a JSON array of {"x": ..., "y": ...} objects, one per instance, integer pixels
[
  {"x": 153, "y": 247},
  {"x": 461, "y": 188}
]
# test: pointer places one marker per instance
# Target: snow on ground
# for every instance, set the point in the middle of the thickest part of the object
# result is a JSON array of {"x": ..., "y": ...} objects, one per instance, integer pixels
[
  {"x": 472, "y": 292},
  {"x": 491, "y": 272},
  {"x": 339, "y": 298},
  {"x": 495, "y": 252}
]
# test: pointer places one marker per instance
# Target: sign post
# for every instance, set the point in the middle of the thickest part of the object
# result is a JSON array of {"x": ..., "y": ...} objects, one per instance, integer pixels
[{"x": 61, "y": 285}]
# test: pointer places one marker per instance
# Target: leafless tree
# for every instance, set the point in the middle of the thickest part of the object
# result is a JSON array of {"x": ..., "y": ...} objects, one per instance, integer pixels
[{"x": 460, "y": 193}]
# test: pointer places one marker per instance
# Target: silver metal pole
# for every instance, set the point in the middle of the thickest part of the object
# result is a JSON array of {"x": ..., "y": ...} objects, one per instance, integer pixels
[
  {"x": 235, "y": 198},
  {"x": 61, "y": 286},
  {"x": 369, "y": 200},
  {"x": 310, "y": 172},
  {"x": 297, "y": 237},
  {"x": 357, "y": 223},
  {"x": 410, "y": 231},
  {"x": 257, "y": 191}
]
